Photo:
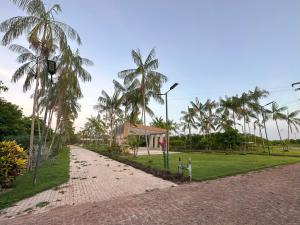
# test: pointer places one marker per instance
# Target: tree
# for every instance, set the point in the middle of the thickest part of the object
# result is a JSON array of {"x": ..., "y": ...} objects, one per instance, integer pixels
[
  {"x": 11, "y": 119},
  {"x": 199, "y": 109},
  {"x": 43, "y": 32},
  {"x": 149, "y": 79},
  {"x": 188, "y": 122},
  {"x": 277, "y": 114},
  {"x": 292, "y": 122},
  {"x": 3, "y": 88},
  {"x": 111, "y": 106},
  {"x": 161, "y": 123},
  {"x": 39, "y": 24}
]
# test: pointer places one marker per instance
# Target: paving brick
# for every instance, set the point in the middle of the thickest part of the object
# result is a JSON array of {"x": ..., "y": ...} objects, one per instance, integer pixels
[
  {"x": 90, "y": 181},
  {"x": 268, "y": 197}
]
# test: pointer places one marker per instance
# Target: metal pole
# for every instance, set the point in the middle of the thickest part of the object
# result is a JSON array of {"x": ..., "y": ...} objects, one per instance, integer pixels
[
  {"x": 263, "y": 114},
  {"x": 167, "y": 127}
]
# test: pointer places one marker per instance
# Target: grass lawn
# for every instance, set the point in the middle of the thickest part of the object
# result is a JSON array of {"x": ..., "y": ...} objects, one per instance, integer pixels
[
  {"x": 277, "y": 150},
  {"x": 207, "y": 166},
  {"x": 50, "y": 174}
]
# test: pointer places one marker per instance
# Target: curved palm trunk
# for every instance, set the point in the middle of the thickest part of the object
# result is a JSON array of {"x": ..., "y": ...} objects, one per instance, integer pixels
[
  {"x": 260, "y": 133},
  {"x": 279, "y": 134},
  {"x": 34, "y": 111},
  {"x": 54, "y": 135},
  {"x": 48, "y": 126}
]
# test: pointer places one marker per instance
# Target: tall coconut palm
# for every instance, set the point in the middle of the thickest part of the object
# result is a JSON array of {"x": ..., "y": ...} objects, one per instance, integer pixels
[
  {"x": 188, "y": 122},
  {"x": 223, "y": 110},
  {"x": 209, "y": 106},
  {"x": 292, "y": 122},
  {"x": 161, "y": 123},
  {"x": 43, "y": 32},
  {"x": 112, "y": 106},
  {"x": 39, "y": 24},
  {"x": 278, "y": 114},
  {"x": 235, "y": 108},
  {"x": 150, "y": 80},
  {"x": 199, "y": 108},
  {"x": 70, "y": 69},
  {"x": 32, "y": 66}
]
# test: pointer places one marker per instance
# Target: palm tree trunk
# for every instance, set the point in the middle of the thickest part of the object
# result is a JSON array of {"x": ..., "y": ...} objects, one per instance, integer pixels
[
  {"x": 190, "y": 137},
  {"x": 34, "y": 111},
  {"x": 279, "y": 134},
  {"x": 144, "y": 111},
  {"x": 48, "y": 126},
  {"x": 260, "y": 133},
  {"x": 254, "y": 130},
  {"x": 288, "y": 142}
]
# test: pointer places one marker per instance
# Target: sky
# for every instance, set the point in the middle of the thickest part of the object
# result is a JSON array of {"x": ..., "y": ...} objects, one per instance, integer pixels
[{"x": 212, "y": 48}]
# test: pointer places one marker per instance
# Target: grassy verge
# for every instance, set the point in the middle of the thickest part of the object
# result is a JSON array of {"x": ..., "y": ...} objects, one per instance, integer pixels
[
  {"x": 51, "y": 173},
  {"x": 207, "y": 166}
]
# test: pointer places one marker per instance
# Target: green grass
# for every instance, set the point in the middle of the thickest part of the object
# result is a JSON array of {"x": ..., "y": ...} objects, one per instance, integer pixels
[
  {"x": 50, "y": 174},
  {"x": 206, "y": 166},
  {"x": 277, "y": 150}
]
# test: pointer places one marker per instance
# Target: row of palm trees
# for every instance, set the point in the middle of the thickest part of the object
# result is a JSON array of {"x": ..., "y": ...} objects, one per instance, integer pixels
[
  {"x": 242, "y": 112},
  {"x": 48, "y": 39},
  {"x": 131, "y": 97}
]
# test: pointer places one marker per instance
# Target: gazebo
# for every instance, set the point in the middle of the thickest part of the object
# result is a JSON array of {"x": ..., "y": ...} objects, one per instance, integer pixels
[{"x": 154, "y": 134}]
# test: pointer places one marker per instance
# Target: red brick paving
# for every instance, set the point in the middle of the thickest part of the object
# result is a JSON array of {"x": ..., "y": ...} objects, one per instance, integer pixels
[{"x": 268, "y": 197}]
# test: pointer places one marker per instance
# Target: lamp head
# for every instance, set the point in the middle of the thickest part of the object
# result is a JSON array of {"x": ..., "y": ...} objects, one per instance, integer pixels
[{"x": 173, "y": 86}]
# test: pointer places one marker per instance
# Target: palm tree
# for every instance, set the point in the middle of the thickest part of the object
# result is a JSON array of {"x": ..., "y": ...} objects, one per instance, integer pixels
[
  {"x": 39, "y": 24},
  {"x": 199, "y": 108},
  {"x": 188, "y": 122},
  {"x": 43, "y": 32},
  {"x": 3, "y": 88},
  {"x": 70, "y": 69},
  {"x": 209, "y": 119},
  {"x": 292, "y": 121},
  {"x": 31, "y": 67},
  {"x": 94, "y": 128},
  {"x": 277, "y": 114},
  {"x": 235, "y": 108},
  {"x": 111, "y": 105},
  {"x": 161, "y": 123},
  {"x": 149, "y": 79},
  {"x": 223, "y": 112}
]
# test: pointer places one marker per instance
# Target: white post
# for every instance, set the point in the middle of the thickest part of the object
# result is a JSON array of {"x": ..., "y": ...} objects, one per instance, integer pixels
[
  {"x": 151, "y": 142},
  {"x": 156, "y": 142}
]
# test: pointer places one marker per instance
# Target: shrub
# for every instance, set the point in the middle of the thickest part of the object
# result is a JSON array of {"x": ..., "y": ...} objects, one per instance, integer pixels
[
  {"x": 12, "y": 161},
  {"x": 177, "y": 144}
]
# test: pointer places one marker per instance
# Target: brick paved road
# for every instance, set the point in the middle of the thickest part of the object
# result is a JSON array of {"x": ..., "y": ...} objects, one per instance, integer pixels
[
  {"x": 268, "y": 197},
  {"x": 93, "y": 178}
]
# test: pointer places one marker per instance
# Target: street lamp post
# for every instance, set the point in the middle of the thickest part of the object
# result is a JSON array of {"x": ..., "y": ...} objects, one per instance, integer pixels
[
  {"x": 167, "y": 120},
  {"x": 264, "y": 120}
]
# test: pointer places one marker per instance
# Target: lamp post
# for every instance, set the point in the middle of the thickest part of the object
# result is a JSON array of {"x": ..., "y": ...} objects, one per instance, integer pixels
[
  {"x": 51, "y": 67},
  {"x": 264, "y": 120},
  {"x": 167, "y": 120}
]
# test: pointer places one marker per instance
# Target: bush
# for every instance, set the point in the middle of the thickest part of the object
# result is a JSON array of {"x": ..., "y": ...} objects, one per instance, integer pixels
[
  {"x": 177, "y": 144},
  {"x": 22, "y": 140},
  {"x": 12, "y": 161}
]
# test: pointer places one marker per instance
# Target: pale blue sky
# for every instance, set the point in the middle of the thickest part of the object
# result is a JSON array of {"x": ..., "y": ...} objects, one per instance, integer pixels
[{"x": 211, "y": 48}]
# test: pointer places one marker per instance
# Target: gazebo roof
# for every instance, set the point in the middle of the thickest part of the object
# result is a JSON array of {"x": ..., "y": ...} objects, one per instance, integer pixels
[{"x": 139, "y": 129}]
